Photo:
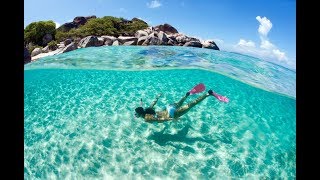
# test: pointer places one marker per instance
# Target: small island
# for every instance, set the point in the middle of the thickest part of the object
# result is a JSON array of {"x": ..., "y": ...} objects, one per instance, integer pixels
[{"x": 44, "y": 39}]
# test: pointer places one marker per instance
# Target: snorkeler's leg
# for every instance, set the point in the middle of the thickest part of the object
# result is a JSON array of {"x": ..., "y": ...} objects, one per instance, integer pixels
[
  {"x": 179, "y": 103},
  {"x": 184, "y": 109}
]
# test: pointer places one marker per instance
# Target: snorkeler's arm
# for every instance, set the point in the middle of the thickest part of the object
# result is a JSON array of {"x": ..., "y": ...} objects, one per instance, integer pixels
[{"x": 155, "y": 101}]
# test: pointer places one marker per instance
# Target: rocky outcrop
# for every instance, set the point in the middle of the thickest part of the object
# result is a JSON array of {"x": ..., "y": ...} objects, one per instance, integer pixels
[
  {"x": 115, "y": 43},
  {"x": 36, "y": 51},
  {"x": 45, "y": 49},
  {"x": 108, "y": 40},
  {"x": 90, "y": 17},
  {"x": 140, "y": 20},
  {"x": 123, "y": 40},
  {"x": 88, "y": 41},
  {"x": 100, "y": 41},
  {"x": 77, "y": 21},
  {"x": 67, "y": 26},
  {"x": 193, "y": 44},
  {"x": 166, "y": 28},
  {"x": 46, "y": 39},
  {"x": 163, "y": 38},
  {"x": 158, "y": 35},
  {"x": 140, "y": 33},
  {"x": 210, "y": 44},
  {"x": 26, "y": 56},
  {"x": 70, "y": 47},
  {"x": 67, "y": 41},
  {"x": 142, "y": 39}
]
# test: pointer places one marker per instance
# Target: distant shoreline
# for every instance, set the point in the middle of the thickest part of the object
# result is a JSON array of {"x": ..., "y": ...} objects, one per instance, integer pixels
[{"x": 133, "y": 32}]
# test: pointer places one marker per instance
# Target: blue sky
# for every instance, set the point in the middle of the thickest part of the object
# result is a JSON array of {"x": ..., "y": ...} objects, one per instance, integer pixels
[{"x": 262, "y": 28}]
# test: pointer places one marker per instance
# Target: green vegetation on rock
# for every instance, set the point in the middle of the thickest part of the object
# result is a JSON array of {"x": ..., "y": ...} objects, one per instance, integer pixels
[
  {"x": 52, "y": 45},
  {"x": 107, "y": 25},
  {"x": 35, "y": 31}
]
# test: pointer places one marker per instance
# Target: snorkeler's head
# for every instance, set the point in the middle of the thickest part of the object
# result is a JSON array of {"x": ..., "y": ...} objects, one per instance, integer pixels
[{"x": 139, "y": 112}]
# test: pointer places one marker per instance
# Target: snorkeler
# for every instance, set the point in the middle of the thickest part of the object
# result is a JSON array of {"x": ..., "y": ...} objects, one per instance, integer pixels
[{"x": 175, "y": 110}]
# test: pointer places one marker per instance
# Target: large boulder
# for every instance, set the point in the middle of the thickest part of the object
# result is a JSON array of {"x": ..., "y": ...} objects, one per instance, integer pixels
[
  {"x": 79, "y": 20},
  {"x": 46, "y": 39},
  {"x": 45, "y": 49},
  {"x": 182, "y": 39},
  {"x": 67, "y": 41},
  {"x": 70, "y": 47},
  {"x": 88, "y": 41},
  {"x": 167, "y": 28},
  {"x": 123, "y": 39},
  {"x": 210, "y": 45},
  {"x": 140, "y": 20},
  {"x": 140, "y": 33},
  {"x": 61, "y": 45},
  {"x": 163, "y": 38},
  {"x": 53, "y": 47},
  {"x": 36, "y": 51},
  {"x": 100, "y": 41},
  {"x": 108, "y": 40},
  {"x": 193, "y": 44},
  {"x": 26, "y": 55},
  {"x": 152, "y": 40},
  {"x": 127, "y": 43},
  {"x": 149, "y": 30},
  {"x": 90, "y": 17},
  {"x": 67, "y": 26},
  {"x": 115, "y": 43},
  {"x": 77, "y": 40},
  {"x": 172, "y": 41},
  {"x": 142, "y": 39}
]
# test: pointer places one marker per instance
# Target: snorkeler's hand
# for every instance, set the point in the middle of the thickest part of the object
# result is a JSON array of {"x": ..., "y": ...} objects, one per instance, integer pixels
[{"x": 159, "y": 95}]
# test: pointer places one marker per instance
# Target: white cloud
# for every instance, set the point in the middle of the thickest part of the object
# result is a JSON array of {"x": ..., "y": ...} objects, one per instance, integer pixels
[
  {"x": 245, "y": 43},
  {"x": 154, "y": 4},
  {"x": 57, "y": 24},
  {"x": 265, "y": 44},
  {"x": 281, "y": 56},
  {"x": 265, "y": 25},
  {"x": 123, "y": 10},
  {"x": 267, "y": 50}
]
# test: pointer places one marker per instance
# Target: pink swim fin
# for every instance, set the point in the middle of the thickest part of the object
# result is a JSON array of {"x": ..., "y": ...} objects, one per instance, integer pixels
[
  {"x": 220, "y": 98},
  {"x": 197, "y": 89}
]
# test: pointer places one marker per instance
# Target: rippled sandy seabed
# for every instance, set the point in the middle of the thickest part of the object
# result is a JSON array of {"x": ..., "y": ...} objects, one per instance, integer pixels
[{"x": 79, "y": 116}]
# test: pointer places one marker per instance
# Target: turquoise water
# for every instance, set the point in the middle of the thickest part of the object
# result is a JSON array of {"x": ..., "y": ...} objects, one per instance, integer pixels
[{"x": 79, "y": 116}]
